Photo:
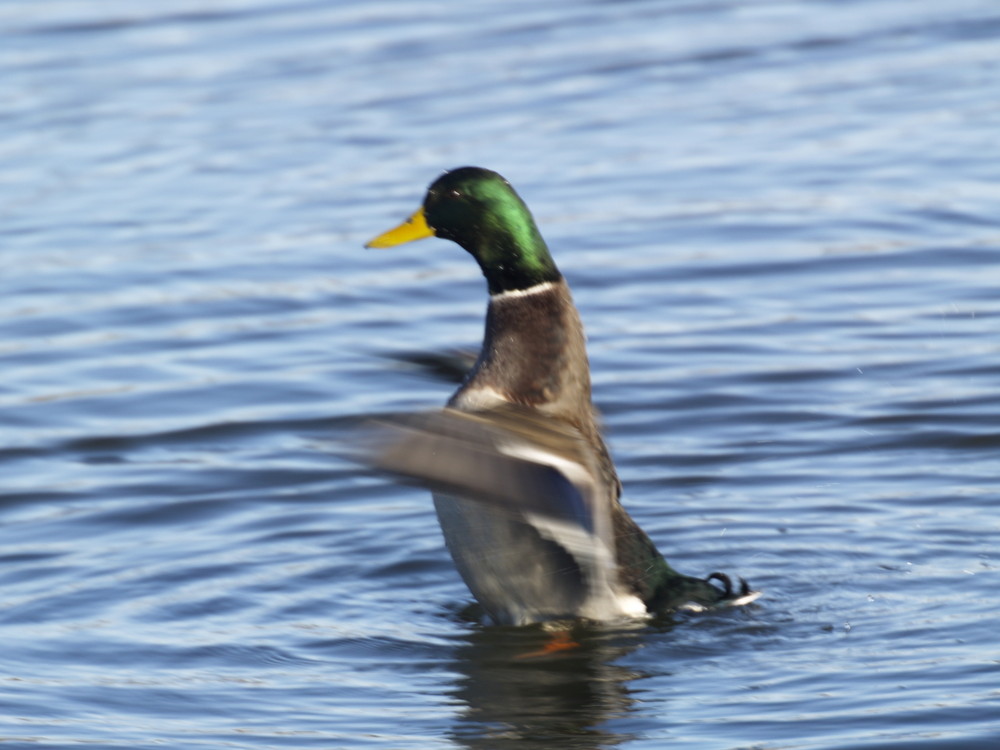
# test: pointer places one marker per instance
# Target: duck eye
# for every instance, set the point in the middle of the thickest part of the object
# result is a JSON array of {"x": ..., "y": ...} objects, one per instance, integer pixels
[{"x": 454, "y": 193}]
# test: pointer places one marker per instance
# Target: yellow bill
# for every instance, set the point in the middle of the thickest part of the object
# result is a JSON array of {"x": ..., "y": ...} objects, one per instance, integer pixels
[{"x": 414, "y": 228}]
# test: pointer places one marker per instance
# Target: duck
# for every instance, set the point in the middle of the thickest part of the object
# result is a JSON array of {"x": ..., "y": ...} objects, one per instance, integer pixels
[{"x": 524, "y": 486}]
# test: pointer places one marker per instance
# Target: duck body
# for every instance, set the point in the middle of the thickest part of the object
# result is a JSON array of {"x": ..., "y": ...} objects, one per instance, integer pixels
[
  {"x": 524, "y": 487},
  {"x": 518, "y": 566}
]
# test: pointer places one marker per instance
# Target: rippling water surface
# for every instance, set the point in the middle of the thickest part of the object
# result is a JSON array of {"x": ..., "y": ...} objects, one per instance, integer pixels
[{"x": 780, "y": 223}]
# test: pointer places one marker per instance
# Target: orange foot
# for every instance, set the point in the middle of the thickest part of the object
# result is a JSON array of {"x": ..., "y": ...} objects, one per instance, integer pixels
[{"x": 558, "y": 641}]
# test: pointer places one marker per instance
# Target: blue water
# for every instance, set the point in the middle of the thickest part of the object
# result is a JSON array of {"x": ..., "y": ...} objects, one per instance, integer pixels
[{"x": 780, "y": 222}]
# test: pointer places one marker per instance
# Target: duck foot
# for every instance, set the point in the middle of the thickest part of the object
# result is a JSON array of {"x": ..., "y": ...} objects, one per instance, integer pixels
[{"x": 558, "y": 641}]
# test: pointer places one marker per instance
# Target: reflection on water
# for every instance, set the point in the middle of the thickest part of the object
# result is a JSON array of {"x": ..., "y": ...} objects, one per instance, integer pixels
[{"x": 512, "y": 697}]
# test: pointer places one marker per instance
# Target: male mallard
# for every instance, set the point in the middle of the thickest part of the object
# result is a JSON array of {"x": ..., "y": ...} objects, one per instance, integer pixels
[{"x": 525, "y": 490}]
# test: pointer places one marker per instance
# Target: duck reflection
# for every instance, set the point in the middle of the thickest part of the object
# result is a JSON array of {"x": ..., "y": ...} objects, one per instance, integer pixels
[{"x": 515, "y": 695}]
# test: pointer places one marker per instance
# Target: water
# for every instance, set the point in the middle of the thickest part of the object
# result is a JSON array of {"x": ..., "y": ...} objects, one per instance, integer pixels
[{"x": 779, "y": 220}]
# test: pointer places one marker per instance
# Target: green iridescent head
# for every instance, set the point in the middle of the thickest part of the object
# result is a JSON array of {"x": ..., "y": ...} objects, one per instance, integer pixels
[{"x": 480, "y": 211}]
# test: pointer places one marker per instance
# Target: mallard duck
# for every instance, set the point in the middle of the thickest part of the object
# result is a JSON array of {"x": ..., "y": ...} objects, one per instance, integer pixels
[{"x": 524, "y": 487}]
